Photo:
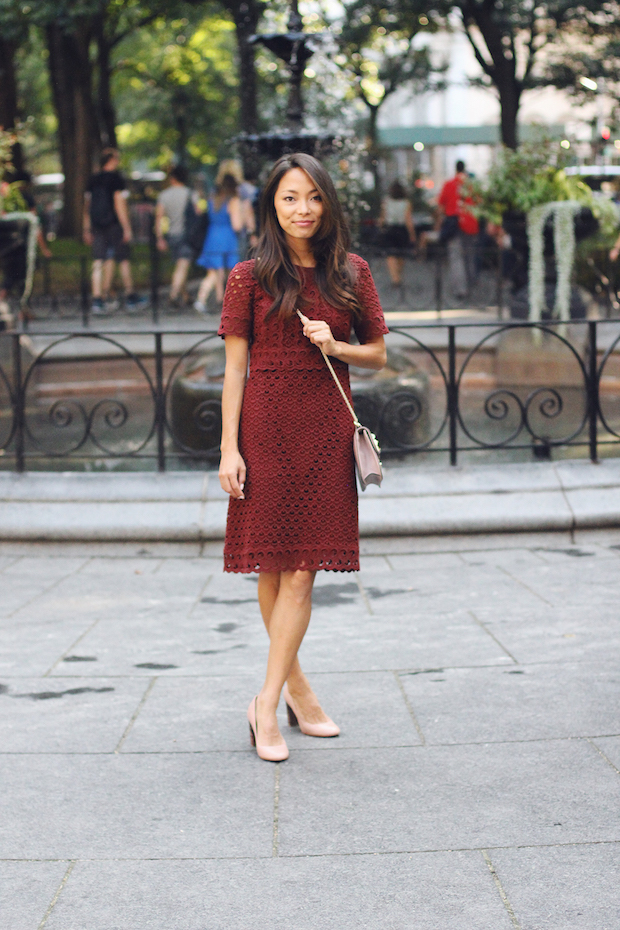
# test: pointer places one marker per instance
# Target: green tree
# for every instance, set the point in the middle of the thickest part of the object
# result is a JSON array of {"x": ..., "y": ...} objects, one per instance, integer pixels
[
  {"x": 176, "y": 89},
  {"x": 377, "y": 48},
  {"x": 586, "y": 61},
  {"x": 510, "y": 38},
  {"x": 13, "y": 34}
]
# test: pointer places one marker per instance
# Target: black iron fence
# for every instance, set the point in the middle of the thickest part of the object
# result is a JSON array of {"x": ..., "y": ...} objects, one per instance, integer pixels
[{"x": 152, "y": 399}]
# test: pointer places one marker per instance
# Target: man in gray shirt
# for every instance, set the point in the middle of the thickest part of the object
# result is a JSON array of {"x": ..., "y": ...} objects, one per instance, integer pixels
[{"x": 172, "y": 206}]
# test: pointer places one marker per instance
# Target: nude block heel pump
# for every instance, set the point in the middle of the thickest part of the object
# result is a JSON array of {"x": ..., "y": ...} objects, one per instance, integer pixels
[
  {"x": 269, "y": 753},
  {"x": 326, "y": 729}
]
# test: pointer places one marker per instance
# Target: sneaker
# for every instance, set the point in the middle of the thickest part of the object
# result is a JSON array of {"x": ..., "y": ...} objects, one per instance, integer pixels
[
  {"x": 175, "y": 304},
  {"x": 135, "y": 301},
  {"x": 200, "y": 307},
  {"x": 97, "y": 307}
]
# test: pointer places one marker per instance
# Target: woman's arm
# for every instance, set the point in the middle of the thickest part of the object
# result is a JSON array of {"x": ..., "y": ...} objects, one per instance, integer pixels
[
  {"x": 162, "y": 245},
  {"x": 235, "y": 213},
  {"x": 371, "y": 355},
  {"x": 409, "y": 224},
  {"x": 232, "y": 467},
  {"x": 249, "y": 220}
]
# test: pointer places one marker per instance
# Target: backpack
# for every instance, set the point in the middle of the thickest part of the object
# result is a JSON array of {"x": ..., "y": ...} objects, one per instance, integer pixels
[
  {"x": 195, "y": 226},
  {"x": 102, "y": 213}
]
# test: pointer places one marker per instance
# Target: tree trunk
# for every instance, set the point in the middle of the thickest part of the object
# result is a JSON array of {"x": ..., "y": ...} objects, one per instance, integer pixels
[
  {"x": 509, "y": 99},
  {"x": 246, "y": 14},
  {"x": 373, "y": 147},
  {"x": 105, "y": 107},
  {"x": 71, "y": 80},
  {"x": 9, "y": 113}
]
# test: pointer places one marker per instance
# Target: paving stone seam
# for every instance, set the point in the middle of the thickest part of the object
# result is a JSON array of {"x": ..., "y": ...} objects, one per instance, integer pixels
[
  {"x": 493, "y": 636},
  {"x": 333, "y": 748},
  {"x": 275, "y": 844},
  {"x": 45, "y": 591},
  {"x": 59, "y": 891},
  {"x": 199, "y": 596},
  {"x": 337, "y": 855},
  {"x": 409, "y": 707},
  {"x": 524, "y": 585},
  {"x": 70, "y": 649},
  {"x": 13, "y": 561},
  {"x": 136, "y": 713},
  {"x": 500, "y": 889},
  {"x": 363, "y": 594},
  {"x": 405, "y": 672},
  {"x": 601, "y": 753},
  {"x": 564, "y": 490}
]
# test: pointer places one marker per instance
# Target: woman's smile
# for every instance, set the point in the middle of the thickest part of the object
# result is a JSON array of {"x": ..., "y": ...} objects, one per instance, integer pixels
[{"x": 298, "y": 205}]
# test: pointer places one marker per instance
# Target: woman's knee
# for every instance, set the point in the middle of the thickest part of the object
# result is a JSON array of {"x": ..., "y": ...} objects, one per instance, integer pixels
[{"x": 299, "y": 584}]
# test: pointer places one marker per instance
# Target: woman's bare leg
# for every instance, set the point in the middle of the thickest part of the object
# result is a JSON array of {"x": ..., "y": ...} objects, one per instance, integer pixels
[
  {"x": 299, "y": 686},
  {"x": 207, "y": 284},
  {"x": 179, "y": 277},
  {"x": 219, "y": 285},
  {"x": 288, "y": 623}
]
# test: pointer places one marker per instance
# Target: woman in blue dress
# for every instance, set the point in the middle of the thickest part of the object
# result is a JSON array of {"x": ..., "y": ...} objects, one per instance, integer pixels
[{"x": 221, "y": 246}]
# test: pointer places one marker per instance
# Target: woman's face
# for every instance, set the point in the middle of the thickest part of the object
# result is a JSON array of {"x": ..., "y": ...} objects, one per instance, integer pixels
[{"x": 298, "y": 206}]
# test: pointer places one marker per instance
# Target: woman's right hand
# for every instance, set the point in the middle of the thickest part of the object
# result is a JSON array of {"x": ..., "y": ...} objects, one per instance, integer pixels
[{"x": 232, "y": 474}]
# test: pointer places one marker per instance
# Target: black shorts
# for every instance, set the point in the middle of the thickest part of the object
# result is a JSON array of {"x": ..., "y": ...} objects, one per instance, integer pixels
[
  {"x": 108, "y": 244},
  {"x": 396, "y": 237}
]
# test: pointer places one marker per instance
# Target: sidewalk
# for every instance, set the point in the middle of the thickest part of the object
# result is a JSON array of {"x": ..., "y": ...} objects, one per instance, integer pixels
[
  {"x": 413, "y": 500},
  {"x": 475, "y": 784}
]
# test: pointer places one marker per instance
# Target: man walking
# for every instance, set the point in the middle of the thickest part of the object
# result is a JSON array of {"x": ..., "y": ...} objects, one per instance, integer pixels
[
  {"x": 176, "y": 204},
  {"x": 107, "y": 229},
  {"x": 458, "y": 230}
]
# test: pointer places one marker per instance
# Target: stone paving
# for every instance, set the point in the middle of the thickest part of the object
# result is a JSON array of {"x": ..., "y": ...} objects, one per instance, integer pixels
[{"x": 475, "y": 784}]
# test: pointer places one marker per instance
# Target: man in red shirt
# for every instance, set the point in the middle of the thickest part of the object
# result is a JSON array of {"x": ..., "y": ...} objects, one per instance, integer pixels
[{"x": 457, "y": 232}]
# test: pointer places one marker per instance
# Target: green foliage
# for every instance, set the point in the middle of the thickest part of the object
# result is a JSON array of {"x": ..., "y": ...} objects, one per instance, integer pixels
[
  {"x": 175, "y": 89},
  {"x": 524, "y": 178},
  {"x": 376, "y": 47},
  {"x": 11, "y": 199}
]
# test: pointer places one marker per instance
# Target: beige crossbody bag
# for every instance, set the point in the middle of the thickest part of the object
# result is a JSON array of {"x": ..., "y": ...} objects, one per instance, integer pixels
[{"x": 366, "y": 450}]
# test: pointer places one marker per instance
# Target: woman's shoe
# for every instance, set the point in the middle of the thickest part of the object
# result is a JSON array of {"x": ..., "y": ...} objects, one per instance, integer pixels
[
  {"x": 269, "y": 753},
  {"x": 326, "y": 729}
]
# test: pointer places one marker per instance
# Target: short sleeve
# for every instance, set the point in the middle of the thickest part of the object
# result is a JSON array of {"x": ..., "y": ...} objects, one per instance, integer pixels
[
  {"x": 237, "y": 311},
  {"x": 372, "y": 323}
]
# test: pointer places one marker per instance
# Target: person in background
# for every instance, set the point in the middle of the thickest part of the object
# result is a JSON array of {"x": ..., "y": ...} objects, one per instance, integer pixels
[
  {"x": 248, "y": 194},
  {"x": 175, "y": 205},
  {"x": 396, "y": 220},
  {"x": 108, "y": 230},
  {"x": 458, "y": 231},
  {"x": 221, "y": 247},
  {"x": 15, "y": 264}
]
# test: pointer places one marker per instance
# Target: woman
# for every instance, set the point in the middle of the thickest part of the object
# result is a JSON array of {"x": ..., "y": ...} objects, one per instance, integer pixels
[
  {"x": 287, "y": 435},
  {"x": 221, "y": 247},
  {"x": 399, "y": 232}
]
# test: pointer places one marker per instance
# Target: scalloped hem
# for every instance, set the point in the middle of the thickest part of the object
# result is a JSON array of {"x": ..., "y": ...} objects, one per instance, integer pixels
[{"x": 247, "y": 563}]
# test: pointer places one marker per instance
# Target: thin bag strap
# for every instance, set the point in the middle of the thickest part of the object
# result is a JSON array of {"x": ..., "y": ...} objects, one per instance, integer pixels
[{"x": 356, "y": 422}]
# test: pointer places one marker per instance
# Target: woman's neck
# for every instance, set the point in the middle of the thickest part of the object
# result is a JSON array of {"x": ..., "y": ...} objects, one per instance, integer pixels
[{"x": 301, "y": 253}]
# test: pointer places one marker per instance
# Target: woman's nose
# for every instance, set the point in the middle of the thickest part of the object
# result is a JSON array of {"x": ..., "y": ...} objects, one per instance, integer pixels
[{"x": 303, "y": 206}]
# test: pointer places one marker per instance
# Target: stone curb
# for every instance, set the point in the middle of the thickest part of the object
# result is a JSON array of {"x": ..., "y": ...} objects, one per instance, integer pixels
[{"x": 191, "y": 507}]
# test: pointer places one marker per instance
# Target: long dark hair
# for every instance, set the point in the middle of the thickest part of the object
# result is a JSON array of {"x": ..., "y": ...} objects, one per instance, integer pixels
[
  {"x": 225, "y": 190},
  {"x": 274, "y": 269}
]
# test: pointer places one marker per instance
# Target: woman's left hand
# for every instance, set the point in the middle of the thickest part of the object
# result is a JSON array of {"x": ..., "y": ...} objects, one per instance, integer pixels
[{"x": 319, "y": 333}]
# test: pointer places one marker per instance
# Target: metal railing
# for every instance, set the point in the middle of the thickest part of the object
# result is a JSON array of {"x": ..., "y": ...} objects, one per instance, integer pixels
[{"x": 86, "y": 399}]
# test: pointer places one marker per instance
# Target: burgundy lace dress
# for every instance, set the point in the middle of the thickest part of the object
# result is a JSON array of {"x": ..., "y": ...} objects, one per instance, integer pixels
[{"x": 295, "y": 433}]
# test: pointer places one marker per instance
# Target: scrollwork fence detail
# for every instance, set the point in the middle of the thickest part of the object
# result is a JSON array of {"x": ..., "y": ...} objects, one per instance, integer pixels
[{"x": 45, "y": 423}]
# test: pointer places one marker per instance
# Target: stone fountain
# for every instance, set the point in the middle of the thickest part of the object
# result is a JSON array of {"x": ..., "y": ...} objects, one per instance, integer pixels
[{"x": 294, "y": 48}]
